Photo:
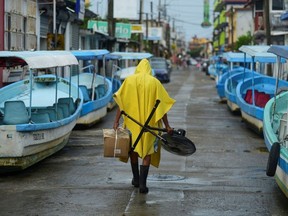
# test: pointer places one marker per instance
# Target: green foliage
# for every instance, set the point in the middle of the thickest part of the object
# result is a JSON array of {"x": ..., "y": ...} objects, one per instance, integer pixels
[
  {"x": 195, "y": 52},
  {"x": 244, "y": 40}
]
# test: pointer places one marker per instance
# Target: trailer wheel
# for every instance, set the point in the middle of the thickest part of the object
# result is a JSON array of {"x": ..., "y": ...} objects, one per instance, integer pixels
[{"x": 273, "y": 158}]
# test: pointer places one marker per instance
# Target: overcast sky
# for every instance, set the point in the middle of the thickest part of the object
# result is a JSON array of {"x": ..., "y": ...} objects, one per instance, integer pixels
[{"x": 188, "y": 14}]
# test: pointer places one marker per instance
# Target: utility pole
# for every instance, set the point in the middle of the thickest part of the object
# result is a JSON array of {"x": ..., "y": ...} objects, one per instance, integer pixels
[
  {"x": 111, "y": 24},
  {"x": 146, "y": 44},
  {"x": 232, "y": 29},
  {"x": 2, "y": 33},
  {"x": 151, "y": 24},
  {"x": 140, "y": 22},
  {"x": 267, "y": 22},
  {"x": 268, "y": 31},
  {"x": 151, "y": 11},
  {"x": 54, "y": 24},
  {"x": 158, "y": 25},
  {"x": 159, "y": 13}
]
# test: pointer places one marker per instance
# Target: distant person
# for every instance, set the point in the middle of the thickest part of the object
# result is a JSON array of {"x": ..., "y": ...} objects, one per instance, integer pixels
[{"x": 137, "y": 96}]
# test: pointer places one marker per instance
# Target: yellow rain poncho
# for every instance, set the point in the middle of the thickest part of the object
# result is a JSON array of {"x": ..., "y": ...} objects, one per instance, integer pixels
[{"x": 137, "y": 96}]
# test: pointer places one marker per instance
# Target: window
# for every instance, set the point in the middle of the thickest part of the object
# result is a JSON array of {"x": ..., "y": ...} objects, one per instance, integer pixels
[
  {"x": 278, "y": 5},
  {"x": 259, "y": 5}
]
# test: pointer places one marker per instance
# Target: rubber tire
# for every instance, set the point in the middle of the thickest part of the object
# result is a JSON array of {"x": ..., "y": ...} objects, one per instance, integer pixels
[{"x": 273, "y": 158}]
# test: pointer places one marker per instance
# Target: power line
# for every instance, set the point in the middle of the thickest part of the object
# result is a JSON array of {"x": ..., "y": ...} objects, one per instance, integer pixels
[
  {"x": 183, "y": 21},
  {"x": 181, "y": 5}
]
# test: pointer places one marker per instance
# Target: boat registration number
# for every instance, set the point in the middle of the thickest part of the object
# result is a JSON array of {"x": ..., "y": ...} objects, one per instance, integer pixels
[{"x": 38, "y": 136}]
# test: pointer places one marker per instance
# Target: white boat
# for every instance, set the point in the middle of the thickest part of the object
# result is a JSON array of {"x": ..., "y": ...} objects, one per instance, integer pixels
[
  {"x": 96, "y": 89},
  {"x": 131, "y": 62},
  {"x": 39, "y": 113},
  {"x": 275, "y": 129}
]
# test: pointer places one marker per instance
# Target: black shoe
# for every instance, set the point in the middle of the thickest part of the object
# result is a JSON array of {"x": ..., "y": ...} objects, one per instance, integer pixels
[
  {"x": 143, "y": 179},
  {"x": 135, "y": 171}
]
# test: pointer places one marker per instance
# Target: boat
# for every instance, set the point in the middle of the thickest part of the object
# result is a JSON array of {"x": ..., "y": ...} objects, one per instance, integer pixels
[
  {"x": 37, "y": 113},
  {"x": 131, "y": 61},
  {"x": 254, "y": 93},
  {"x": 230, "y": 86},
  {"x": 216, "y": 68},
  {"x": 235, "y": 62},
  {"x": 275, "y": 125},
  {"x": 96, "y": 89}
]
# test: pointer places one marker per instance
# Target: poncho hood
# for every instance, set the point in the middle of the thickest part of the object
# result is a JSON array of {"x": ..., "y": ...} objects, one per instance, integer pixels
[{"x": 143, "y": 67}]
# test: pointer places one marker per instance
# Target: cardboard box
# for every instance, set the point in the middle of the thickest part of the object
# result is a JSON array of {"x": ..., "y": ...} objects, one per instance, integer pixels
[{"x": 116, "y": 145}]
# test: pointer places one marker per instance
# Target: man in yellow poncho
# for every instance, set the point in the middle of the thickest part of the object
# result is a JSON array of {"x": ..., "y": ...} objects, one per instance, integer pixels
[{"x": 137, "y": 96}]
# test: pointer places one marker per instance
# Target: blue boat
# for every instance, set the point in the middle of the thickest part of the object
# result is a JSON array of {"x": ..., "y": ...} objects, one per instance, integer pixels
[
  {"x": 217, "y": 67},
  {"x": 235, "y": 62},
  {"x": 254, "y": 93},
  {"x": 96, "y": 89},
  {"x": 37, "y": 114},
  {"x": 275, "y": 125},
  {"x": 230, "y": 86}
]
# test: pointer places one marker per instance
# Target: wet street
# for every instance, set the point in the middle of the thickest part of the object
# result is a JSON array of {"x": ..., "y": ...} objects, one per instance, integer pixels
[{"x": 226, "y": 175}]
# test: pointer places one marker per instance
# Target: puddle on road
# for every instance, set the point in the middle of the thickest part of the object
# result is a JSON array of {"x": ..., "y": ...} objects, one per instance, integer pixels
[
  {"x": 257, "y": 150},
  {"x": 262, "y": 149},
  {"x": 162, "y": 177}
]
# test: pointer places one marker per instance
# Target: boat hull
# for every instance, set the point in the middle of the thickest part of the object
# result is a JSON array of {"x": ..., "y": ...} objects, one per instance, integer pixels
[
  {"x": 28, "y": 148},
  {"x": 254, "y": 123},
  {"x": 92, "y": 117}
]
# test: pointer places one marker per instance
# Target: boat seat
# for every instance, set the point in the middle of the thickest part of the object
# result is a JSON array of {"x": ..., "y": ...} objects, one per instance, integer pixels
[
  {"x": 65, "y": 109},
  {"x": 248, "y": 96},
  {"x": 59, "y": 112},
  {"x": 15, "y": 112},
  {"x": 40, "y": 117},
  {"x": 62, "y": 110},
  {"x": 261, "y": 99},
  {"x": 100, "y": 91},
  {"x": 70, "y": 102},
  {"x": 85, "y": 93},
  {"x": 51, "y": 112}
]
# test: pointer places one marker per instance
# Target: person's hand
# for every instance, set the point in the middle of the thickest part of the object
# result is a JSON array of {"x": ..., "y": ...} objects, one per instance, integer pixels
[
  {"x": 169, "y": 130},
  {"x": 115, "y": 125}
]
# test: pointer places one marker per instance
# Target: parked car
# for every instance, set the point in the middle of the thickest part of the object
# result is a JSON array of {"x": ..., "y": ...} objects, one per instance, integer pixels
[
  {"x": 161, "y": 69},
  {"x": 169, "y": 65}
]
